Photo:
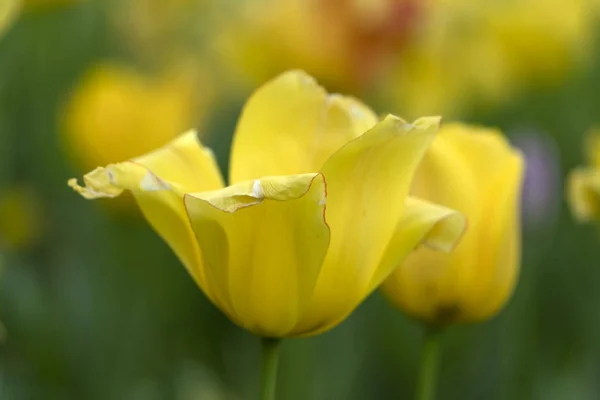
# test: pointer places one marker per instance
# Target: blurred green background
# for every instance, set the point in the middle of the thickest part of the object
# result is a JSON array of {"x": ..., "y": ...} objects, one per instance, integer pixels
[{"x": 94, "y": 305}]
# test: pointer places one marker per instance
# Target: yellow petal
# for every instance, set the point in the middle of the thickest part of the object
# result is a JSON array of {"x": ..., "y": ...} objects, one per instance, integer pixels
[
  {"x": 263, "y": 244},
  {"x": 422, "y": 223},
  {"x": 584, "y": 193},
  {"x": 291, "y": 126},
  {"x": 434, "y": 226},
  {"x": 158, "y": 182},
  {"x": 186, "y": 162},
  {"x": 500, "y": 244},
  {"x": 367, "y": 183},
  {"x": 437, "y": 180},
  {"x": 479, "y": 146}
]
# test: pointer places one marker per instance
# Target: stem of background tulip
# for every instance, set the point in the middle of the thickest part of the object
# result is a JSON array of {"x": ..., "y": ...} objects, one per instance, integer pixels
[
  {"x": 428, "y": 371},
  {"x": 270, "y": 354}
]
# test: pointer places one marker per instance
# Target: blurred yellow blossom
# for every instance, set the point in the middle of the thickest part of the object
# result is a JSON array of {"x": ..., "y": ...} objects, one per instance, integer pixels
[
  {"x": 20, "y": 218},
  {"x": 159, "y": 30},
  {"x": 470, "y": 51},
  {"x": 473, "y": 170},
  {"x": 117, "y": 113},
  {"x": 317, "y": 214},
  {"x": 436, "y": 56},
  {"x": 343, "y": 42},
  {"x": 583, "y": 188}
]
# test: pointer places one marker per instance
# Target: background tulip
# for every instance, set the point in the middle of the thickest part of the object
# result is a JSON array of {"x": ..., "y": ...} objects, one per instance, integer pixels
[
  {"x": 477, "y": 172},
  {"x": 584, "y": 183},
  {"x": 116, "y": 112}
]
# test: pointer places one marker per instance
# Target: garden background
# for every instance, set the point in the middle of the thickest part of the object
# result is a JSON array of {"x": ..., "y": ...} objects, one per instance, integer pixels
[{"x": 94, "y": 305}]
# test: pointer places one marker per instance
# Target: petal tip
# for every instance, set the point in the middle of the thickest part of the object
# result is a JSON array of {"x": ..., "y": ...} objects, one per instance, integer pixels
[
  {"x": 299, "y": 76},
  {"x": 428, "y": 122},
  {"x": 421, "y": 124},
  {"x": 446, "y": 234},
  {"x": 99, "y": 183}
]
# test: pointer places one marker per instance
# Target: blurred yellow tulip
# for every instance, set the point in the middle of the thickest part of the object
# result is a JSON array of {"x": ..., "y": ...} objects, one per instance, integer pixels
[
  {"x": 429, "y": 56},
  {"x": 116, "y": 113},
  {"x": 158, "y": 30},
  {"x": 473, "y": 170},
  {"x": 345, "y": 43},
  {"x": 583, "y": 188},
  {"x": 487, "y": 51},
  {"x": 317, "y": 214}
]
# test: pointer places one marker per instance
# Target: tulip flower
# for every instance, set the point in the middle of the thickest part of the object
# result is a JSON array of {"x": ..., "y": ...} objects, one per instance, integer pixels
[
  {"x": 428, "y": 56},
  {"x": 116, "y": 113},
  {"x": 350, "y": 43},
  {"x": 584, "y": 183},
  {"x": 316, "y": 216},
  {"x": 473, "y": 170},
  {"x": 484, "y": 52}
]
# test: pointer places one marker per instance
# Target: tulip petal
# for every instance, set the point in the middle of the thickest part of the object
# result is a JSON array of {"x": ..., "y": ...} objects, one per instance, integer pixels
[
  {"x": 158, "y": 181},
  {"x": 477, "y": 146},
  {"x": 434, "y": 226},
  {"x": 422, "y": 223},
  {"x": 186, "y": 162},
  {"x": 367, "y": 183},
  {"x": 584, "y": 193},
  {"x": 263, "y": 243},
  {"x": 495, "y": 284},
  {"x": 292, "y": 126}
]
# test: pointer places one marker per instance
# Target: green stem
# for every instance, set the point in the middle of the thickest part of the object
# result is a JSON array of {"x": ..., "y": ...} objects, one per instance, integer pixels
[
  {"x": 270, "y": 353},
  {"x": 428, "y": 371}
]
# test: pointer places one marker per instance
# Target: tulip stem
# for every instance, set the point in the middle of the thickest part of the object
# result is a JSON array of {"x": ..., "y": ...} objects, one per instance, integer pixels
[
  {"x": 428, "y": 371},
  {"x": 270, "y": 354}
]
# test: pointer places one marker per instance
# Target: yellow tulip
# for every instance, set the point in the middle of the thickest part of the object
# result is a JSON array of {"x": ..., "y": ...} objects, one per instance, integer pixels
[
  {"x": 317, "y": 214},
  {"x": 347, "y": 43},
  {"x": 475, "y": 171},
  {"x": 487, "y": 51},
  {"x": 584, "y": 183},
  {"x": 116, "y": 113},
  {"x": 158, "y": 30}
]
